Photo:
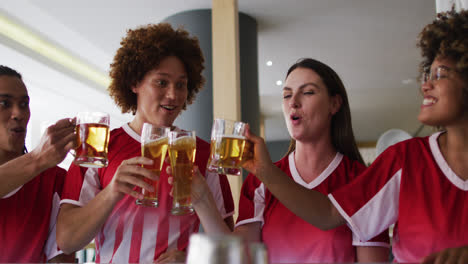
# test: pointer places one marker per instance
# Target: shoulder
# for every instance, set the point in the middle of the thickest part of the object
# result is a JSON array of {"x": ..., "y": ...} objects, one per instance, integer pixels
[
  {"x": 283, "y": 163},
  {"x": 121, "y": 136},
  {"x": 411, "y": 145},
  {"x": 117, "y": 132},
  {"x": 352, "y": 165},
  {"x": 202, "y": 144}
]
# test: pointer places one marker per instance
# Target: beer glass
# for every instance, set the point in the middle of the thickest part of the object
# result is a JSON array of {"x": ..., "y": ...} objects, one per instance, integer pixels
[
  {"x": 92, "y": 130},
  {"x": 154, "y": 143},
  {"x": 214, "y": 249},
  {"x": 182, "y": 147},
  {"x": 227, "y": 146}
]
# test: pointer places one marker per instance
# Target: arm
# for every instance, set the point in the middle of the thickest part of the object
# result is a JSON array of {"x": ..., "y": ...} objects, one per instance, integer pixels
[
  {"x": 52, "y": 149},
  {"x": 205, "y": 205},
  {"x": 450, "y": 255},
  {"x": 77, "y": 226},
  {"x": 62, "y": 258},
  {"x": 318, "y": 210},
  {"x": 367, "y": 254}
]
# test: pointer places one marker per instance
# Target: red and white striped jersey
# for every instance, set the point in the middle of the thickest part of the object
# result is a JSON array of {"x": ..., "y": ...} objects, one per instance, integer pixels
[
  {"x": 27, "y": 219},
  {"x": 290, "y": 239},
  {"x": 134, "y": 233},
  {"x": 412, "y": 185}
]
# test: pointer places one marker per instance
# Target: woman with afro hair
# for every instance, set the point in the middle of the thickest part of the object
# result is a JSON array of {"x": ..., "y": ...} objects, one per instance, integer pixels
[{"x": 155, "y": 74}]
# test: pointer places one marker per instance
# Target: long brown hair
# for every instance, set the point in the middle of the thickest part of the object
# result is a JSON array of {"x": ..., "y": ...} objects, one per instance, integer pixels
[{"x": 341, "y": 128}]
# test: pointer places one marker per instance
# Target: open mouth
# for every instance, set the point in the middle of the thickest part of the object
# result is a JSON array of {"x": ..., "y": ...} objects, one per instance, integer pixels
[
  {"x": 18, "y": 130},
  {"x": 169, "y": 107},
  {"x": 295, "y": 117},
  {"x": 429, "y": 101}
]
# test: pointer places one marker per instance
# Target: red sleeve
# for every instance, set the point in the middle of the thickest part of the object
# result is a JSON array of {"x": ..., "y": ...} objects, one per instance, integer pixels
[
  {"x": 227, "y": 194},
  {"x": 252, "y": 201},
  {"x": 369, "y": 203},
  {"x": 81, "y": 185}
]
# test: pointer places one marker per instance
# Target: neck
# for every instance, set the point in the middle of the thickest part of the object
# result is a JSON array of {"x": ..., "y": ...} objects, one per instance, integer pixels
[
  {"x": 136, "y": 125},
  {"x": 312, "y": 158},
  {"x": 454, "y": 147},
  {"x": 455, "y": 139}
]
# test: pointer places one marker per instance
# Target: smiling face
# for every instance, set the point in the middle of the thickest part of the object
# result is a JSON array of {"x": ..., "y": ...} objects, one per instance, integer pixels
[
  {"x": 307, "y": 106},
  {"x": 162, "y": 93},
  {"x": 443, "y": 103},
  {"x": 14, "y": 114}
]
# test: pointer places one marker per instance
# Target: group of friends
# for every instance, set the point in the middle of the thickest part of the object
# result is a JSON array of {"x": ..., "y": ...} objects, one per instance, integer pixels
[{"x": 319, "y": 203}]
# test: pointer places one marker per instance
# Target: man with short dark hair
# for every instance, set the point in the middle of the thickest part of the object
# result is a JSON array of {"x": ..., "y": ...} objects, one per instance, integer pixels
[{"x": 30, "y": 183}]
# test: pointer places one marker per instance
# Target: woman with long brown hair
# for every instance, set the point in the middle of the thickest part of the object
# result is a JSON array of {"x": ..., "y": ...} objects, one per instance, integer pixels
[{"x": 323, "y": 156}]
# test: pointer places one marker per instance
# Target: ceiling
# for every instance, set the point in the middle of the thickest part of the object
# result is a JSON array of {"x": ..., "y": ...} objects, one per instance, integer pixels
[{"x": 370, "y": 43}]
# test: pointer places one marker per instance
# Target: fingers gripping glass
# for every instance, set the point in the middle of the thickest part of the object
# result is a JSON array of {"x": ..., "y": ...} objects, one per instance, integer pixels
[
  {"x": 154, "y": 144},
  {"x": 227, "y": 147},
  {"x": 92, "y": 131}
]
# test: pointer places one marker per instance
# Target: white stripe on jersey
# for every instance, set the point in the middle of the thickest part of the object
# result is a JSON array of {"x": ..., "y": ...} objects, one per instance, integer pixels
[
  {"x": 443, "y": 165},
  {"x": 91, "y": 186},
  {"x": 123, "y": 251},
  {"x": 107, "y": 247},
  {"x": 51, "y": 248},
  {"x": 383, "y": 206},
  {"x": 212, "y": 179},
  {"x": 259, "y": 200},
  {"x": 148, "y": 239}
]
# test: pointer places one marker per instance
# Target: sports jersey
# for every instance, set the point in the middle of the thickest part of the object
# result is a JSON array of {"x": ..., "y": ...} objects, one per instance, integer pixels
[
  {"x": 134, "y": 233},
  {"x": 27, "y": 219},
  {"x": 290, "y": 239},
  {"x": 410, "y": 184}
]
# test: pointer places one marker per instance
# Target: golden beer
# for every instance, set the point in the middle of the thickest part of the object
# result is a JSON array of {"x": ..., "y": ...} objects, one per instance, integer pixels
[
  {"x": 227, "y": 152},
  {"x": 155, "y": 150},
  {"x": 93, "y": 140},
  {"x": 182, "y": 155},
  {"x": 227, "y": 146}
]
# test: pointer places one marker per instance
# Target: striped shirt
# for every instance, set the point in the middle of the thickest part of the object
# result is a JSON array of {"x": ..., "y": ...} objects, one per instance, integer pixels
[{"x": 134, "y": 233}]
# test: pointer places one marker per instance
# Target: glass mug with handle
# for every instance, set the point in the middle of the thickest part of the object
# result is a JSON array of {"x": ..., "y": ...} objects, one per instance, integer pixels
[
  {"x": 154, "y": 144},
  {"x": 182, "y": 149},
  {"x": 227, "y": 146},
  {"x": 92, "y": 131}
]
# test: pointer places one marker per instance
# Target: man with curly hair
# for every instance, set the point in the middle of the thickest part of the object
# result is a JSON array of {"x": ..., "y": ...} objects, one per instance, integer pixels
[
  {"x": 155, "y": 74},
  {"x": 421, "y": 184}
]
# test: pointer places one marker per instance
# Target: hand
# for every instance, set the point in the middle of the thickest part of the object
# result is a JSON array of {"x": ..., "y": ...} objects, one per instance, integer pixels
[
  {"x": 172, "y": 256},
  {"x": 57, "y": 140},
  {"x": 130, "y": 174},
  {"x": 199, "y": 186},
  {"x": 259, "y": 159},
  {"x": 448, "y": 256}
]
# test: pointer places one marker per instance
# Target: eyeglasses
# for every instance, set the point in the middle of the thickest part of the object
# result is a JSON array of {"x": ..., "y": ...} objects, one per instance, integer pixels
[{"x": 439, "y": 73}]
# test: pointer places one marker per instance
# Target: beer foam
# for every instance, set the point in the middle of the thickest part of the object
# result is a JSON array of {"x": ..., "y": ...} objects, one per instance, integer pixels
[
  {"x": 161, "y": 140},
  {"x": 185, "y": 140},
  {"x": 233, "y": 136}
]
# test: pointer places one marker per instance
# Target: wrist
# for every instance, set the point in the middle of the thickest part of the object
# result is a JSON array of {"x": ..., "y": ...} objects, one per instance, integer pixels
[
  {"x": 110, "y": 196},
  {"x": 204, "y": 203},
  {"x": 37, "y": 162}
]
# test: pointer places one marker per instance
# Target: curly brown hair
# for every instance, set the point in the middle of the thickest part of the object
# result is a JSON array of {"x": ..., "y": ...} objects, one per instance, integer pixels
[
  {"x": 142, "y": 50},
  {"x": 446, "y": 37}
]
